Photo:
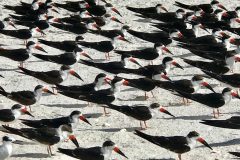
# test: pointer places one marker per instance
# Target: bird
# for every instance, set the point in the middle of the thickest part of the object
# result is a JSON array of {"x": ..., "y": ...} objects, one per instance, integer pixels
[
  {"x": 208, "y": 8},
  {"x": 26, "y": 97},
  {"x": 103, "y": 46},
  {"x": 185, "y": 85},
  {"x": 67, "y": 58},
  {"x": 159, "y": 8},
  {"x": 212, "y": 100},
  {"x": 9, "y": 116},
  {"x": 99, "y": 81},
  {"x": 176, "y": 144},
  {"x": 230, "y": 123},
  {"x": 66, "y": 45},
  {"x": 73, "y": 118},
  {"x": 94, "y": 153},
  {"x": 21, "y": 54},
  {"x": 52, "y": 77},
  {"x": 146, "y": 53},
  {"x": 24, "y": 34},
  {"x": 6, "y": 22},
  {"x": 140, "y": 112},
  {"x": 6, "y": 148},
  {"x": 45, "y": 136}
]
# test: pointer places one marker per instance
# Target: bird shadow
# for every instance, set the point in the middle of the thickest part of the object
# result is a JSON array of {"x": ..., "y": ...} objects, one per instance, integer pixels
[
  {"x": 129, "y": 89},
  {"x": 93, "y": 115},
  {"x": 158, "y": 159},
  {"x": 184, "y": 55},
  {"x": 67, "y": 105},
  {"x": 10, "y": 69},
  {"x": 110, "y": 130},
  {"x": 138, "y": 98},
  {"x": 231, "y": 142},
  {"x": 199, "y": 117},
  {"x": 31, "y": 155}
]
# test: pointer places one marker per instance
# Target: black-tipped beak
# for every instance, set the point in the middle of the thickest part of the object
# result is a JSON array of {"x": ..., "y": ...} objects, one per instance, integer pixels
[
  {"x": 164, "y": 76},
  {"x": 204, "y": 28},
  {"x": 135, "y": 61},
  {"x": 125, "y": 83},
  {"x": 205, "y": 84},
  {"x": 54, "y": 10},
  {"x": 86, "y": 55},
  {"x": 84, "y": 119},
  {"x": 40, "y": 48},
  {"x": 116, "y": 11},
  {"x": 117, "y": 150},
  {"x": 107, "y": 80},
  {"x": 222, "y": 7},
  {"x": 177, "y": 65},
  {"x": 12, "y": 24},
  {"x": 163, "y": 8},
  {"x": 72, "y": 72},
  {"x": 74, "y": 140},
  {"x": 28, "y": 113},
  {"x": 124, "y": 39},
  {"x": 166, "y": 50},
  {"x": 47, "y": 91},
  {"x": 201, "y": 140},
  {"x": 234, "y": 94},
  {"x": 104, "y": 1},
  {"x": 165, "y": 111},
  {"x": 1, "y": 76},
  {"x": 40, "y": 31},
  {"x": 116, "y": 20}
]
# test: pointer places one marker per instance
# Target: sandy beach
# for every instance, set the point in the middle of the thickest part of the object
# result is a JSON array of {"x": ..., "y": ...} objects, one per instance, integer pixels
[{"x": 118, "y": 127}]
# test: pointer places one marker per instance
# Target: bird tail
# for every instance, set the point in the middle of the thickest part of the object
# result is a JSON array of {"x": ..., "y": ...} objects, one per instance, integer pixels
[
  {"x": 192, "y": 63},
  {"x": 88, "y": 63},
  {"x": 181, "y": 5},
  {"x": 136, "y": 10},
  {"x": 237, "y": 154},
  {"x": 25, "y": 71},
  {"x": 31, "y": 123},
  {"x": 8, "y": 7},
  {"x": 66, "y": 151},
  {"x": 41, "y": 56},
  {"x": 3, "y": 92},
  {"x": 144, "y": 136},
  {"x": 12, "y": 130}
]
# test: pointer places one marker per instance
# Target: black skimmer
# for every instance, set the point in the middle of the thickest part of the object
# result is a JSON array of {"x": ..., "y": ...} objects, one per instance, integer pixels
[
  {"x": 24, "y": 34},
  {"x": 8, "y": 116},
  {"x": 145, "y": 84},
  {"x": 26, "y": 97},
  {"x": 185, "y": 85},
  {"x": 157, "y": 37},
  {"x": 41, "y": 24},
  {"x": 94, "y": 153},
  {"x": 21, "y": 54},
  {"x": 140, "y": 112},
  {"x": 6, "y": 22},
  {"x": 230, "y": 79},
  {"x": 237, "y": 154},
  {"x": 176, "y": 144},
  {"x": 67, "y": 45},
  {"x": 179, "y": 15},
  {"x": 100, "y": 80},
  {"x": 231, "y": 123},
  {"x": 100, "y": 21},
  {"x": 67, "y": 58},
  {"x": 213, "y": 100},
  {"x": 159, "y": 8},
  {"x": 77, "y": 28},
  {"x": 73, "y": 118},
  {"x": 146, "y": 53},
  {"x": 51, "y": 77},
  {"x": 103, "y": 46},
  {"x": 41, "y": 16},
  {"x": 217, "y": 67},
  {"x": 208, "y": 8},
  {"x": 73, "y": 6},
  {"x": 6, "y": 147},
  {"x": 111, "y": 33},
  {"x": 114, "y": 67},
  {"x": 46, "y": 136}
]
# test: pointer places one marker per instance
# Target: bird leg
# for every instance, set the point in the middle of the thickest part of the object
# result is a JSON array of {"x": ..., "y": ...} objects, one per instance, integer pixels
[
  {"x": 146, "y": 97},
  {"x": 179, "y": 157},
  {"x": 30, "y": 108},
  {"x": 218, "y": 112},
  {"x": 105, "y": 111},
  {"x": 214, "y": 113},
  {"x": 108, "y": 56},
  {"x": 21, "y": 64},
  {"x": 152, "y": 94},
  {"x": 141, "y": 125},
  {"x": 50, "y": 150},
  {"x": 145, "y": 124}
]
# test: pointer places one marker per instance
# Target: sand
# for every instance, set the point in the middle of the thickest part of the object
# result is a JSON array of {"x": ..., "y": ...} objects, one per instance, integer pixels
[{"x": 112, "y": 127}]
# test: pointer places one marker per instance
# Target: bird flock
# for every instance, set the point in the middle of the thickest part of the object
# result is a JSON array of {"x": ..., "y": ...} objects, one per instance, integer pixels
[{"x": 208, "y": 32}]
